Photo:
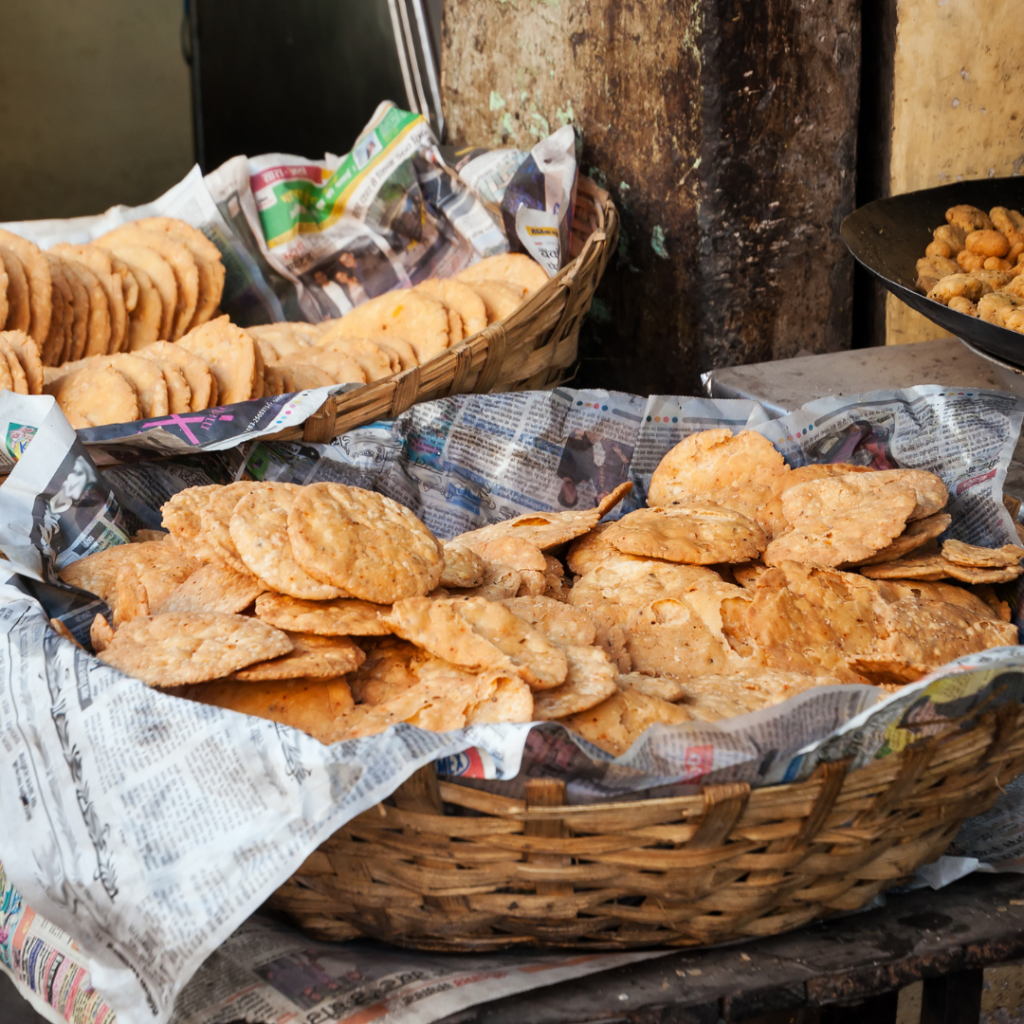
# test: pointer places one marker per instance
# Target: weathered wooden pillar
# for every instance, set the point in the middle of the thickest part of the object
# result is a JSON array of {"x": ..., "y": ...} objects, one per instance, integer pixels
[{"x": 725, "y": 130}]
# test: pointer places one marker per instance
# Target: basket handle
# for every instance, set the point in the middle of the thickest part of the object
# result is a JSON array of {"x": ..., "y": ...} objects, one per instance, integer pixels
[{"x": 723, "y": 805}]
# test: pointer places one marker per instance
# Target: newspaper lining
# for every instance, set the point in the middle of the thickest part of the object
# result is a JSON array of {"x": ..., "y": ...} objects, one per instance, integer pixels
[{"x": 150, "y": 828}]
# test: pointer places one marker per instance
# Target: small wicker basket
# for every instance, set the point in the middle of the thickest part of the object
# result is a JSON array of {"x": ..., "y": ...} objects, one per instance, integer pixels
[
  {"x": 531, "y": 349},
  {"x": 440, "y": 866}
]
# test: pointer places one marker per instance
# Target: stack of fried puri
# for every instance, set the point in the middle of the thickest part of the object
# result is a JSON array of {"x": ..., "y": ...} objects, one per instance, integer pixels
[
  {"x": 974, "y": 262},
  {"x": 744, "y": 583}
]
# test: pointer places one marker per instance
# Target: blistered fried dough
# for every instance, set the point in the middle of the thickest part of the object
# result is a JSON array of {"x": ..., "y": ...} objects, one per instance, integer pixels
[
  {"x": 100, "y": 634},
  {"x": 373, "y": 360},
  {"x": 97, "y": 262},
  {"x": 970, "y": 554},
  {"x": 987, "y": 243},
  {"x": 230, "y": 353},
  {"x": 923, "y": 630},
  {"x": 95, "y": 395},
  {"x": 516, "y": 552},
  {"x": 145, "y": 376},
  {"x": 613, "y": 497},
  {"x": 159, "y": 274},
  {"x": 457, "y": 295},
  {"x": 968, "y": 262},
  {"x": 311, "y": 656},
  {"x": 930, "y": 492},
  {"x": 500, "y": 301},
  {"x": 936, "y": 267},
  {"x": 158, "y": 566},
  {"x": 364, "y": 543},
  {"x": 499, "y": 582},
  {"x": 61, "y": 313},
  {"x": 938, "y": 248},
  {"x": 545, "y": 530},
  {"x": 712, "y": 698},
  {"x": 715, "y": 467},
  {"x": 511, "y": 700},
  {"x": 301, "y": 377},
  {"x": 145, "y": 322},
  {"x": 340, "y": 617},
  {"x": 915, "y": 536},
  {"x": 994, "y": 307},
  {"x": 617, "y": 723},
  {"x": 64, "y": 633},
  {"x": 181, "y": 516},
  {"x": 207, "y": 257},
  {"x": 214, "y": 524},
  {"x": 937, "y": 567},
  {"x": 695, "y": 534},
  {"x": 19, "y": 382},
  {"x": 968, "y": 218},
  {"x": 991, "y": 280},
  {"x": 79, "y": 308},
  {"x": 177, "y": 258},
  {"x": 462, "y": 567},
  {"x": 844, "y": 518},
  {"x": 37, "y": 274},
  {"x": 313, "y": 706},
  {"x": 591, "y": 550},
  {"x": 953, "y": 285},
  {"x": 196, "y": 372},
  {"x": 591, "y": 679},
  {"x": 952, "y": 236},
  {"x": 130, "y": 597},
  {"x": 513, "y": 269},
  {"x": 772, "y": 514},
  {"x": 6, "y": 378},
  {"x": 213, "y": 588},
  {"x": 557, "y": 621},
  {"x": 400, "y": 349},
  {"x": 420, "y": 319},
  {"x": 652, "y": 686},
  {"x": 807, "y": 619},
  {"x": 259, "y": 531},
  {"x": 1006, "y": 220},
  {"x": 173, "y": 649},
  {"x": 341, "y": 368},
  {"x": 99, "y": 329},
  {"x": 19, "y": 310}
]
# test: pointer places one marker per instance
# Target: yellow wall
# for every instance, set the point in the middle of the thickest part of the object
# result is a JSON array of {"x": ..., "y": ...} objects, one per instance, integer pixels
[
  {"x": 94, "y": 105},
  {"x": 958, "y": 107}
]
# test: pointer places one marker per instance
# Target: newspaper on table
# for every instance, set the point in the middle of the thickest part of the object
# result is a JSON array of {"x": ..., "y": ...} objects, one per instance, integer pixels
[
  {"x": 306, "y": 239},
  {"x": 150, "y": 827}
]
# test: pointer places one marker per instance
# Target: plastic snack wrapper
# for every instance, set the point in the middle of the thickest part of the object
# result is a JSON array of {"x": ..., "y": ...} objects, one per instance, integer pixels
[
  {"x": 149, "y": 827},
  {"x": 308, "y": 239}
]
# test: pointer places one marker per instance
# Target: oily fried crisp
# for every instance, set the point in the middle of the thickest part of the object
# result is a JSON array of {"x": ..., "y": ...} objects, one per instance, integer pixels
[
  {"x": 259, "y": 531},
  {"x": 19, "y": 312},
  {"x": 463, "y": 567},
  {"x": 172, "y": 649},
  {"x": 440, "y": 627},
  {"x": 404, "y": 313},
  {"x": 710, "y": 698},
  {"x": 617, "y": 723},
  {"x": 929, "y": 489},
  {"x": 313, "y": 706},
  {"x": 28, "y": 355},
  {"x": 94, "y": 396},
  {"x": 612, "y": 498},
  {"x": 340, "y": 617},
  {"x": 230, "y": 353},
  {"x": 363, "y": 543},
  {"x": 715, "y": 467},
  {"x": 499, "y": 582},
  {"x": 101, "y": 634},
  {"x": 747, "y": 575},
  {"x": 842, "y": 519},
  {"x": 808, "y": 619},
  {"x": 499, "y": 299},
  {"x": 375, "y": 361},
  {"x": 937, "y": 567},
  {"x": 458, "y": 296},
  {"x": 181, "y": 515},
  {"x": 159, "y": 567},
  {"x": 215, "y": 524},
  {"x": 130, "y": 597},
  {"x": 694, "y": 534},
  {"x": 915, "y": 536},
  {"x": 195, "y": 371},
  {"x": 40, "y": 284},
  {"x": 956, "y": 286},
  {"x": 544, "y": 530},
  {"x": 772, "y": 518},
  {"x": 661, "y": 687},
  {"x": 968, "y": 218},
  {"x": 155, "y": 286},
  {"x": 557, "y": 621},
  {"x": 590, "y": 680},
  {"x": 513, "y": 269},
  {"x": 923, "y": 629},
  {"x": 516, "y": 552},
  {"x": 972, "y": 555},
  {"x": 532, "y": 582},
  {"x": 311, "y": 657},
  {"x": 64, "y": 633},
  {"x": 594, "y": 548},
  {"x": 213, "y": 587},
  {"x": 510, "y": 700}
]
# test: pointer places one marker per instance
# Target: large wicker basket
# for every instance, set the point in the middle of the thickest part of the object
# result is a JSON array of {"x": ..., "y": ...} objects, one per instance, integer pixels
[
  {"x": 531, "y": 349},
  {"x": 446, "y": 867}
]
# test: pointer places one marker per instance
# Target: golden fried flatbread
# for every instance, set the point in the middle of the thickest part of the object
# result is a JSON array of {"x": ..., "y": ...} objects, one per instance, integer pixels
[
  {"x": 161, "y": 276},
  {"x": 513, "y": 269},
  {"x": 459, "y": 296},
  {"x": 405, "y": 313},
  {"x": 27, "y": 352},
  {"x": 197, "y": 373},
  {"x": 230, "y": 354},
  {"x": 37, "y": 275},
  {"x": 98, "y": 262}
]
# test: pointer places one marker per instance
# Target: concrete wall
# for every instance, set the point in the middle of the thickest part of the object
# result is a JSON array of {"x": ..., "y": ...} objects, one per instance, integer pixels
[{"x": 95, "y": 105}]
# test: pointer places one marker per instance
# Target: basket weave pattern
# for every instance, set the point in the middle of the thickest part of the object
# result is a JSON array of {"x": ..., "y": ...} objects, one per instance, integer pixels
[
  {"x": 531, "y": 349},
  {"x": 444, "y": 867}
]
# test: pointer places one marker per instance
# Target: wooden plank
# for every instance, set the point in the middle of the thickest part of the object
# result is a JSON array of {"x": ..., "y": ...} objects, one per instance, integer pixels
[{"x": 726, "y": 134}]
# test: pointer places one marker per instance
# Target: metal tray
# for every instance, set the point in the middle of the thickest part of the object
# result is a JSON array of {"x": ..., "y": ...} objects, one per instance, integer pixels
[{"x": 889, "y": 236}]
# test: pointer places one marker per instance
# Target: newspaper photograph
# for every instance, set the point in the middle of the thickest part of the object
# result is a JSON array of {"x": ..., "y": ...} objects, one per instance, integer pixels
[{"x": 149, "y": 827}]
